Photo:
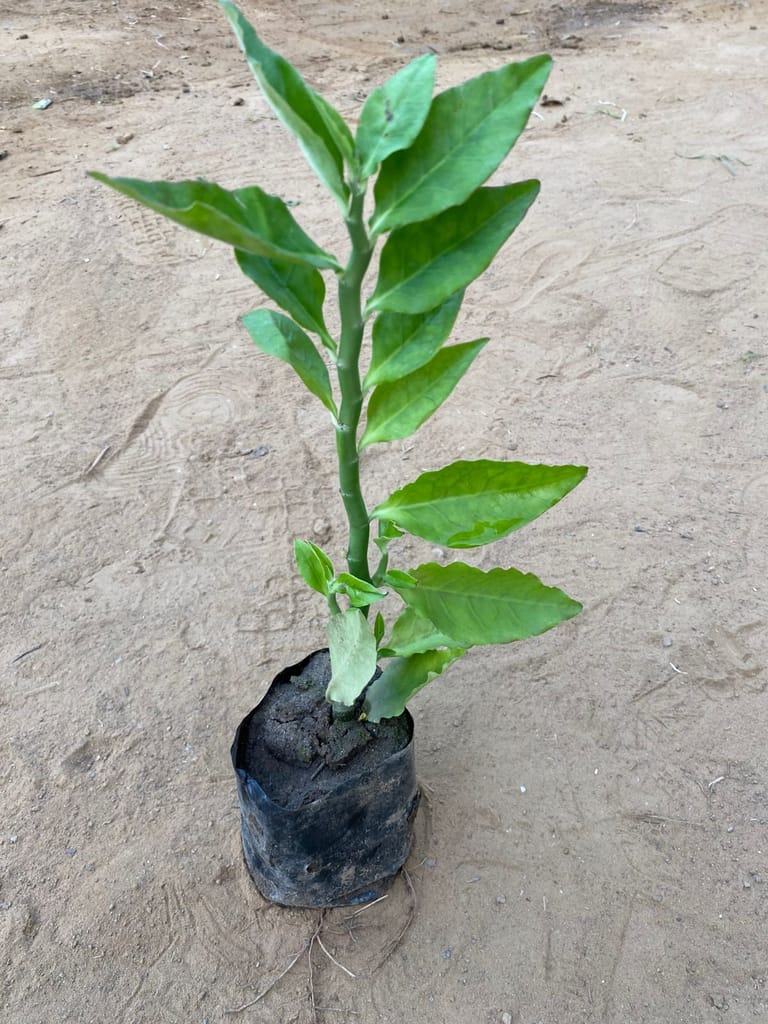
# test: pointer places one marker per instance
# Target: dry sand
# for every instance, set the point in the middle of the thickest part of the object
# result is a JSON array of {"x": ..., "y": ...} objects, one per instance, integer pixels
[{"x": 595, "y": 846}]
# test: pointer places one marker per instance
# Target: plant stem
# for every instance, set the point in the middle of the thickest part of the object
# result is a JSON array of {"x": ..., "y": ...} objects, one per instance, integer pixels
[{"x": 348, "y": 369}]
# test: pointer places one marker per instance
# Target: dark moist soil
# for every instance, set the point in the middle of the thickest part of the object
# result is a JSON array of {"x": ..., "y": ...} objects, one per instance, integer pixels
[{"x": 298, "y": 753}]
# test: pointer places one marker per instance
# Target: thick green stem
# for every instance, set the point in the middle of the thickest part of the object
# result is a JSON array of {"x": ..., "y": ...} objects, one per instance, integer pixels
[{"x": 348, "y": 368}]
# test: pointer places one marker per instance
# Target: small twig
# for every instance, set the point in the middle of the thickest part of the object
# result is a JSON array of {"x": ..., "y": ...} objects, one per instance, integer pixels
[
  {"x": 607, "y": 103},
  {"x": 678, "y": 670},
  {"x": 41, "y": 689},
  {"x": 649, "y": 691},
  {"x": 333, "y": 958},
  {"x": 367, "y": 906},
  {"x": 270, "y": 986},
  {"x": 42, "y": 174},
  {"x": 722, "y": 158},
  {"x": 312, "y": 1003},
  {"x": 30, "y": 650},
  {"x": 711, "y": 785},
  {"x": 99, "y": 458},
  {"x": 409, "y": 921}
]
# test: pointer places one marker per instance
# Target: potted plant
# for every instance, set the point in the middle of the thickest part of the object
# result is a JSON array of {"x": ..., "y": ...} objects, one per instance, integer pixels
[{"x": 324, "y": 763}]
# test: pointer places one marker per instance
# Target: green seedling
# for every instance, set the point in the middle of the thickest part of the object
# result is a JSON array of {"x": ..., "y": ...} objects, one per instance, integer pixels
[{"x": 410, "y": 187}]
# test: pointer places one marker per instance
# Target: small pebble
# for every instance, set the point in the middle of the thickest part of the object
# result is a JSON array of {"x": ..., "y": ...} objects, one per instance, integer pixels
[
  {"x": 321, "y": 528},
  {"x": 239, "y": 102},
  {"x": 70, "y": 851},
  {"x": 123, "y": 140},
  {"x": 13, "y": 839},
  {"x": 729, "y": 829},
  {"x": 5, "y": 906},
  {"x": 506, "y": 1018},
  {"x": 501, "y": 900},
  {"x": 446, "y": 953},
  {"x": 666, "y": 641}
]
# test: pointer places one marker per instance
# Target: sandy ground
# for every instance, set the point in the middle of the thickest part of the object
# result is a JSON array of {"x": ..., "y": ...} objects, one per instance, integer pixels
[{"x": 594, "y": 846}]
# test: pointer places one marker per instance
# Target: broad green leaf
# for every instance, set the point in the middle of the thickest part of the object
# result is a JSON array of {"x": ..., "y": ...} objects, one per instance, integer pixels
[
  {"x": 318, "y": 128},
  {"x": 422, "y": 264},
  {"x": 468, "y": 132},
  {"x": 393, "y": 114},
  {"x": 360, "y": 592},
  {"x": 411, "y": 634},
  {"x": 387, "y": 696},
  {"x": 396, "y": 410},
  {"x": 401, "y": 343},
  {"x": 314, "y": 565},
  {"x": 397, "y": 578},
  {"x": 477, "y": 607},
  {"x": 468, "y": 504},
  {"x": 248, "y": 218},
  {"x": 352, "y": 647},
  {"x": 277, "y": 335},
  {"x": 295, "y": 287}
]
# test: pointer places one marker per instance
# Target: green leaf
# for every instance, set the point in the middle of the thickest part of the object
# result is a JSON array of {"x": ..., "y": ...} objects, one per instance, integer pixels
[
  {"x": 393, "y": 114},
  {"x": 378, "y": 628},
  {"x": 352, "y": 647},
  {"x": 401, "y": 343},
  {"x": 387, "y": 696},
  {"x": 338, "y": 129},
  {"x": 318, "y": 128},
  {"x": 247, "y": 218},
  {"x": 477, "y": 607},
  {"x": 297, "y": 288},
  {"x": 396, "y": 410},
  {"x": 422, "y": 264},
  {"x": 314, "y": 565},
  {"x": 468, "y": 504},
  {"x": 398, "y": 579},
  {"x": 277, "y": 335},
  {"x": 387, "y": 533},
  {"x": 411, "y": 634},
  {"x": 360, "y": 592},
  {"x": 468, "y": 132}
]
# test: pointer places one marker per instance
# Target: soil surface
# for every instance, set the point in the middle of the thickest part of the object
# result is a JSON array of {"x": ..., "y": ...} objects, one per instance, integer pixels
[
  {"x": 594, "y": 846},
  {"x": 299, "y": 752}
]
